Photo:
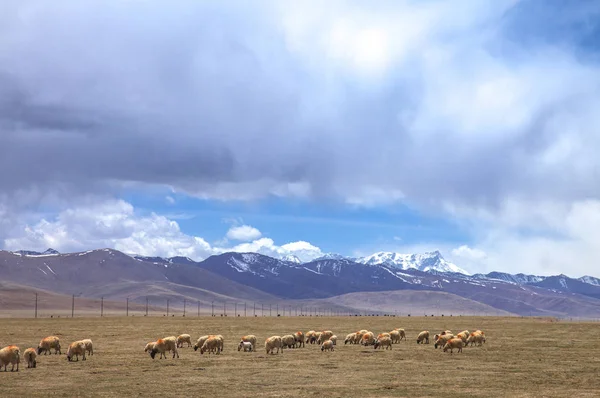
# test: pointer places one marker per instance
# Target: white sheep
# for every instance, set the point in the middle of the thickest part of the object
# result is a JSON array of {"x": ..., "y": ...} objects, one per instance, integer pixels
[
  {"x": 402, "y": 333},
  {"x": 299, "y": 339},
  {"x": 245, "y": 345},
  {"x": 184, "y": 338},
  {"x": 201, "y": 341},
  {"x": 333, "y": 339},
  {"x": 441, "y": 340},
  {"x": 395, "y": 336},
  {"x": 454, "y": 343},
  {"x": 30, "y": 357},
  {"x": 273, "y": 342},
  {"x": 368, "y": 339},
  {"x": 327, "y": 345},
  {"x": 324, "y": 336},
  {"x": 89, "y": 346},
  {"x": 250, "y": 338},
  {"x": 423, "y": 337},
  {"x": 288, "y": 341},
  {"x": 76, "y": 349},
  {"x": 350, "y": 338},
  {"x": 48, "y": 343},
  {"x": 10, "y": 355}
]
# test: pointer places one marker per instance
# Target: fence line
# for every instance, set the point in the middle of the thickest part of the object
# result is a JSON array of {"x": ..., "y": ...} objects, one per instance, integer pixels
[{"x": 48, "y": 306}]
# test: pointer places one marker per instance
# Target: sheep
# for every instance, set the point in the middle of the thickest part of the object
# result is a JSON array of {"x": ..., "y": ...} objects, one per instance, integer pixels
[
  {"x": 299, "y": 339},
  {"x": 359, "y": 335},
  {"x": 317, "y": 337},
  {"x": 475, "y": 338},
  {"x": 402, "y": 333},
  {"x": 10, "y": 355},
  {"x": 150, "y": 346},
  {"x": 395, "y": 336},
  {"x": 250, "y": 339},
  {"x": 163, "y": 345},
  {"x": 454, "y": 343},
  {"x": 221, "y": 342},
  {"x": 324, "y": 336},
  {"x": 201, "y": 341},
  {"x": 327, "y": 346},
  {"x": 288, "y": 341},
  {"x": 350, "y": 338},
  {"x": 445, "y": 332},
  {"x": 464, "y": 335},
  {"x": 246, "y": 345},
  {"x": 333, "y": 339},
  {"x": 212, "y": 344},
  {"x": 30, "y": 357},
  {"x": 423, "y": 337},
  {"x": 380, "y": 335},
  {"x": 184, "y": 338},
  {"x": 47, "y": 343},
  {"x": 273, "y": 342},
  {"x": 311, "y": 337},
  {"x": 384, "y": 341},
  {"x": 368, "y": 339},
  {"x": 442, "y": 340},
  {"x": 89, "y": 346},
  {"x": 76, "y": 349}
]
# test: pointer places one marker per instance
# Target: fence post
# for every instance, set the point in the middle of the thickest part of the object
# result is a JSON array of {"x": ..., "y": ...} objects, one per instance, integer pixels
[
  {"x": 254, "y": 309},
  {"x": 235, "y": 309},
  {"x": 212, "y": 308},
  {"x": 127, "y": 312},
  {"x": 36, "y": 305},
  {"x": 72, "y": 306},
  {"x": 270, "y": 307},
  {"x": 101, "y": 307},
  {"x": 167, "y": 307},
  {"x": 184, "y": 307},
  {"x": 198, "y": 307},
  {"x": 244, "y": 309},
  {"x": 146, "y": 305}
]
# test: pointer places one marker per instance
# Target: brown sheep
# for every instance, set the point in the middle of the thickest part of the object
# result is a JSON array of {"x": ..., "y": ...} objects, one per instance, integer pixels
[
  {"x": 327, "y": 346},
  {"x": 250, "y": 338},
  {"x": 311, "y": 337},
  {"x": 324, "y": 336},
  {"x": 288, "y": 341},
  {"x": 402, "y": 333},
  {"x": 368, "y": 339},
  {"x": 10, "y": 355},
  {"x": 76, "y": 349},
  {"x": 384, "y": 341},
  {"x": 454, "y": 343},
  {"x": 273, "y": 342},
  {"x": 184, "y": 338},
  {"x": 48, "y": 343},
  {"x": 442, "y": 340},
  {"x": 211, "y": 345},
  {"x": 162, "y": 346},
  {"x": 395, "y": 336},
  {"x": 299, "y": 336}
]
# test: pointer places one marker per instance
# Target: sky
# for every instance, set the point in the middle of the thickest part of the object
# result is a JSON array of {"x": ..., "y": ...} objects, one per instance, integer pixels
[{"x": 285, "y": 127}]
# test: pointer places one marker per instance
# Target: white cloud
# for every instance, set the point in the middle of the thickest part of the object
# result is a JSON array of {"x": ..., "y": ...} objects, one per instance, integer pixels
[
  {"x": 243, "y": 233},
  {"x": 115, "y": 224}
]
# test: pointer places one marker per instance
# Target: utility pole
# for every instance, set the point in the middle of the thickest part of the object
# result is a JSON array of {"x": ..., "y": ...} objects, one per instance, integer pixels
[
  {"x": 146, "y": 305},
  {"x": 167, "y": 307},
  {"x": 262, "y": 309},
  {"x": 270, "y": 313},
  {"x": 244, "y": 309},
  {"x": 225, "y": 308},
  {"x": 127, "y": 312},
  {"x": 73, "y": 306},
  {"x": 101, "y": 307},
  {"x": 254, "y": 309},
  {"x": 36, "y": 305},
  {"x": 212, "y": 308},
  {"x": 184, "y": 307},
  {"x": 235, "y": 309},
  {"x": 198, "y": 308},
  {"x": 277, "y": 310}
]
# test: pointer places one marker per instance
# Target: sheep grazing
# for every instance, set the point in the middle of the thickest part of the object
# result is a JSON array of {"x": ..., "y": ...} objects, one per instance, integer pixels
[
  {"x": 475, "y": 338},
  {"x": 380, "y": 335},
  {"x": 89, "y": 346},
  {"x": 48, "y": 343},
  {"x": 311, "y": 337},
  {"x": 324, "y": 336},
  {"x": 30, "y": 357},
  {"x": 250, "y": 339},
  {"x": 384, "y": 341},
  {"x": 464, "y": 335},
  {"x": 359, "y": 335},
  {"x": 288, "y": 341},
  {"x": 10, "y": 355},
  {"x": 163, "y": 345},
  {"x": 299, "y": 339},
  {"x": 201, "y": 341},
  {"x": 395, "y": 336},
  {"x": 221, "y": 342},
  {"x": 327, "y": 345},
  {"x": 213, "y": 344},
  {"x": 184, "y": 338},
  {"x": 454, "y": 343},
  {"x": 402, "y": 333},
  {"x": 350, "y": 338},
  {"x": 273, "y": 342},
  {"x": 150, "y": 346},
  {"x": 317, "y": 337},
  {"x": 76, "y": 349},
  {"x": 368, "y": 339},
  {"x": 423, "y": 337},
  {"x": 246, "y": 346},
  {"x": 441, "y": 340},
  {"x": 333, "y": 339}
]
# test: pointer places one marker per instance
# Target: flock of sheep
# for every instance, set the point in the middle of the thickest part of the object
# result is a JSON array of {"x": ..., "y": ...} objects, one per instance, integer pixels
[
  {"x": 11, "y": 355},
  {"x": 213, "y": 343}
]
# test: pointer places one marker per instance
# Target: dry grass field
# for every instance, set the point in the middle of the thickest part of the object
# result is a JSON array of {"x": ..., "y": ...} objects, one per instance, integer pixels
[{"x": 522, "y": 357}]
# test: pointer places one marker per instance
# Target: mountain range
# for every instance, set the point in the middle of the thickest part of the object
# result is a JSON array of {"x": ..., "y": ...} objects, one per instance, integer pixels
[{"x": 417, "y": 282}]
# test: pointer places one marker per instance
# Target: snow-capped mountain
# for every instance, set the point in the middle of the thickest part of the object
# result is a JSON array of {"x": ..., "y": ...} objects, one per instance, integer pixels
[
  {"x": 590, "y": 280},
  {"x": 426, "y": 262},
  {"x": 331, "y": 256},
  {"x": 292, "y": 259},
  {"x": 519, "y": 279}
]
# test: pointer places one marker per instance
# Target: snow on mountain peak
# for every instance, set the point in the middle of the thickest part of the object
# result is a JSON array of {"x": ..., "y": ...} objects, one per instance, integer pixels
[
  {"x": 292, "y": 259},
  {"x": 428, "y": 261}
]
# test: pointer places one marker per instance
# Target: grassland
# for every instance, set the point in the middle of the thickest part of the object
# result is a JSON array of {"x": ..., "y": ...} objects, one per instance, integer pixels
[{"x": 522, "y": 357}]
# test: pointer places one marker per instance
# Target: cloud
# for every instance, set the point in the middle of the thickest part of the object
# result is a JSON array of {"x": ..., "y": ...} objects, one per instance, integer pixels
[
  {"x": 116, "y": 224},
  {"x": 474, "y": 109},
  {"x": 243, "y": 233}
]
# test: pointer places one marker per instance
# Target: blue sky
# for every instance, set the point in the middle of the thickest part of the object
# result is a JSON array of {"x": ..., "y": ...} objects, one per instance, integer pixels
[{"x": 304, "y": 127}]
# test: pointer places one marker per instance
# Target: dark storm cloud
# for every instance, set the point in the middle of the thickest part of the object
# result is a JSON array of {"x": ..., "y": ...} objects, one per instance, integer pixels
[{"x": 213, "y": 99}]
